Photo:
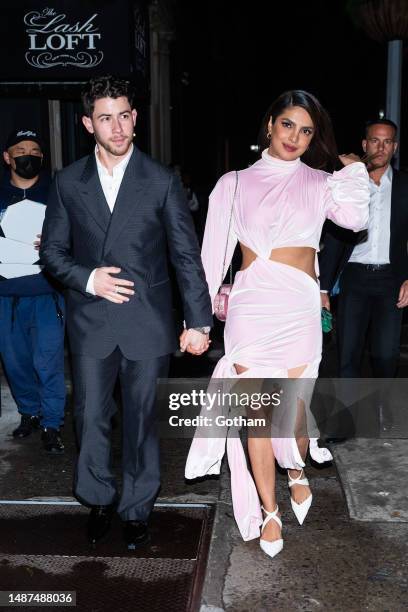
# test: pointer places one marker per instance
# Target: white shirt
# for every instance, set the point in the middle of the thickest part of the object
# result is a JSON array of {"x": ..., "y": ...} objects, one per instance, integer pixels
[
  {"x": 376, "y": 249},
  {"x": 110, "y": 185},
  {"x": 111, "y": 182}
]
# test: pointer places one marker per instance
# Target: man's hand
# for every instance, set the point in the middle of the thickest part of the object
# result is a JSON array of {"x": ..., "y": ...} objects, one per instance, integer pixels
[
  {"x": 403, "y": 295},
  {"x": 37, "y": 242},
  {"x": 325, "y": 299},
  {"x": 113, "y": 289},
  {"x": 349, "y": 158},
  {"x": 194, "y": 342}
]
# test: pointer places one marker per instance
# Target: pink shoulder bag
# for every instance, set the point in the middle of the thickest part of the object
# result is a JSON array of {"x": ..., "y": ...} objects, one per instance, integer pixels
[{"x": 221, "y": 299}]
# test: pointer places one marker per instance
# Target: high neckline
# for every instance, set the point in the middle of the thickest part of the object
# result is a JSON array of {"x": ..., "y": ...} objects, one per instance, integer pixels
[{"x": 280, "y": 163}]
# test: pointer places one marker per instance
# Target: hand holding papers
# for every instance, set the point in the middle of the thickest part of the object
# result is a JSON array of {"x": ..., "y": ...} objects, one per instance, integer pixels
[
  {"x": 21, "y": 224},
  {"x": 23, "y": 221},
  {"x": 12, "y": 251}
]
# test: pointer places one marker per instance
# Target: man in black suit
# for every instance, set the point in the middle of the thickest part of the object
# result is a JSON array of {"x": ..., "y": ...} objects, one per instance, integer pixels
[
  {"x": 110, "y": 219},
  {"x": 373, "y": 264}
]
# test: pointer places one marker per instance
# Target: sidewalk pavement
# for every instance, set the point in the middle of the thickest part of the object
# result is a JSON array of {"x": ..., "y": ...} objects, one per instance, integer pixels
[{"x": 331, "y": 563}]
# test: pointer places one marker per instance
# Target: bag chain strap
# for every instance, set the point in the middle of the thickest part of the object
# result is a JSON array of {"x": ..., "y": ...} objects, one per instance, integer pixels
[{"x": 229, "y": 227}]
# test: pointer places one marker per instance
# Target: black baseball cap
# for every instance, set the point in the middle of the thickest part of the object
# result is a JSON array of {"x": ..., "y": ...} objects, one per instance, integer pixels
[{"x": 17, "y": 136}]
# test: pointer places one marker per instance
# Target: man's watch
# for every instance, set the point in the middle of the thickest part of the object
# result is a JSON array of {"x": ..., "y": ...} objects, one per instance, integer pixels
[{"x": 202, "y": 330}]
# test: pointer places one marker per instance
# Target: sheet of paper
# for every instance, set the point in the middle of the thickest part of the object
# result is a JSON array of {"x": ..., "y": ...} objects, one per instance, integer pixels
[
  {"x": 13, "y": 270},
  {"x": 12, "y": 251},
  {"x": 23, "y": 221}
]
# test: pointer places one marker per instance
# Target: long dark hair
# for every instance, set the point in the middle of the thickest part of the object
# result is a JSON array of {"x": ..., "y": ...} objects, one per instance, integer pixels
[{"x": 322, "y": 151}]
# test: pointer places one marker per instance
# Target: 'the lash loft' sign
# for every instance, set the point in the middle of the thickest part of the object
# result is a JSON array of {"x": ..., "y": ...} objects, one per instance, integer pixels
[
  {"x": 62, "y": 40},
  {"x": 55, "y": 41}
]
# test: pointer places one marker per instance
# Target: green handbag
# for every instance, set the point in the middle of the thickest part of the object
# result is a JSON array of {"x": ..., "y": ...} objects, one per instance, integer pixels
[{"x": 327, "y": 320}]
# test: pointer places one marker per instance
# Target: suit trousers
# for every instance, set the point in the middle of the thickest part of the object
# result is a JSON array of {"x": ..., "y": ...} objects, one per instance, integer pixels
[
  {"x": 94, "y": 381},
  {"x": 367, "y": 305}
]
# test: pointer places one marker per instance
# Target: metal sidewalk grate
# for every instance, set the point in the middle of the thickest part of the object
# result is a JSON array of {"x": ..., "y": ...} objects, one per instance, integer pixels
[{"x": 42, "y": 547}]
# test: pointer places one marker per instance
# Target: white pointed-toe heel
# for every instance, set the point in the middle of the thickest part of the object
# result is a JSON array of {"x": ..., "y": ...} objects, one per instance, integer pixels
[
  {"x": 271, "y": 548},
  {"x": 302, "y": 509}
]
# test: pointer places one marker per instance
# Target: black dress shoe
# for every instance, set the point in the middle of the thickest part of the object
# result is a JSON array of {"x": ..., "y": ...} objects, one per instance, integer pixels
[
  {"x": 52, "y": 441},
  {"x": 27, "y": 424},
  {"x": 136, "y": 534},
  {"x": 99, "y": 522}
]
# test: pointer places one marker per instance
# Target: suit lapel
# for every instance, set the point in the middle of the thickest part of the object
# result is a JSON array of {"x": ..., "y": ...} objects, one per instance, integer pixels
[
  {"x": 91, "y": 192},
  {"x": 133, "y": 186}
]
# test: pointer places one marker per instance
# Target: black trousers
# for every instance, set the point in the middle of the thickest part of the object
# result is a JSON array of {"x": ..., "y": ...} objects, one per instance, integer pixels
[
  {"x": 94, "y": 381},
  {"x": 367, "y": 305}
]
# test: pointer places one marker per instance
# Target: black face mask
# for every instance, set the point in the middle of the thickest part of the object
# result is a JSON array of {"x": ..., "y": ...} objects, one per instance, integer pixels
[{"x": 28, "y": 166}]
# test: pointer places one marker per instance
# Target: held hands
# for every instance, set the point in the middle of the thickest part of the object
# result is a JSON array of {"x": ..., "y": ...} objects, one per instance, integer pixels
[
  {"x": 194, "y": 342},
  {"x": 403, "y": 295},
  {"x": 349, "y": 158},
  {"x": 113, "y": 289}
]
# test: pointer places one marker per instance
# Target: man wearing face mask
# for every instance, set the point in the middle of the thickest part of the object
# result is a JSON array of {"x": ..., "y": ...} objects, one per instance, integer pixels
[{"x": 31, "y": 309}]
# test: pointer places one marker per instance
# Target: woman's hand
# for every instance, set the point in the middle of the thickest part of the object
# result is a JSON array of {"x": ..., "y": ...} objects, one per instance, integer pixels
[
  {"x": 349, "y": 158},
  {"x": 325, "y": 300}
]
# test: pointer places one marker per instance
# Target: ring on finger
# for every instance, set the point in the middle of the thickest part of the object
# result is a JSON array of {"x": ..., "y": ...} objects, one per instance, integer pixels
[{"x": 116, "y": 289}]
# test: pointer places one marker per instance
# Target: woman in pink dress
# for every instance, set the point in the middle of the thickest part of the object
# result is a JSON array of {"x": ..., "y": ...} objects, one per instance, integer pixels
[{"x": 273, "y": 327}]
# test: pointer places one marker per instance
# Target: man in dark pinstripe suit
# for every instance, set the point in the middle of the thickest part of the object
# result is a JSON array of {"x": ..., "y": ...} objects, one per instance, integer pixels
[{"x": 111, "y": 219}]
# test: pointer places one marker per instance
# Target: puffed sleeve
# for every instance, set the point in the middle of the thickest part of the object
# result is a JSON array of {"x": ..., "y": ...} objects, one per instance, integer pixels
[
  {"x": 218, "y": 242},
  {"x": 347, "y": 196}
]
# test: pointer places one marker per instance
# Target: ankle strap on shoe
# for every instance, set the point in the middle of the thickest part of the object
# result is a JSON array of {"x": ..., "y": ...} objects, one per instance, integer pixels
[
  {"x": 299, "y": 480},
  {"x": 271, "y": 516}
]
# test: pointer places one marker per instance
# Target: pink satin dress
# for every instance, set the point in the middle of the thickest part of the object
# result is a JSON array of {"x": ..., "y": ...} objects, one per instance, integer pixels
[{"x": 274, "y": 311}]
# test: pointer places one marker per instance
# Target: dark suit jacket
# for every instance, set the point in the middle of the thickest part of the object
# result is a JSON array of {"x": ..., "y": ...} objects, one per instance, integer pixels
[
  {"x": 339, "y": 243},
  {"x": 150, "y": 219}
]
